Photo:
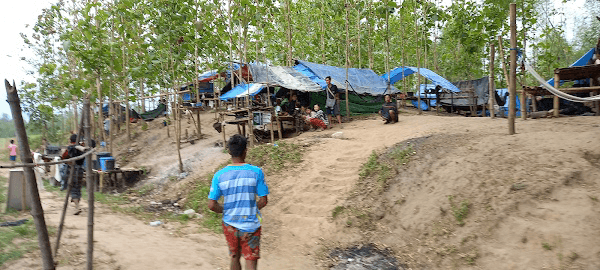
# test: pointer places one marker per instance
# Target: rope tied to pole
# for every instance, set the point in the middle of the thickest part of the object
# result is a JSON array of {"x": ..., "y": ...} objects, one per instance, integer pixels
[{"x": 89, "y": 152}]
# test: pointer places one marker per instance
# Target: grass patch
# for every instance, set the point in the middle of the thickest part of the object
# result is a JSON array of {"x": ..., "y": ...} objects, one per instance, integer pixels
[
  {"x": 546, "y": 246},
  {"x": 274, "y": 157},
  {"x": 402, "y": 156},
  {"x": 145, "y": 190},
  {"x": 18, "y": 240},
  {"x": 460, "y": 210},
  {"x": 336, "y": 211},
  {"x": 377, "y": 169},
  {"x": 197, "y": 199}
]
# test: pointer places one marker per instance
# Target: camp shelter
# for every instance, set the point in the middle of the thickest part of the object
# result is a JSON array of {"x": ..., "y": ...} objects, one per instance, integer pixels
[
  {"x": 584, "y": 60},
  {"x": 286, "y": 77},
  {"x": 243, "y": 90},
  {"x": 400, "y": 73},
  {"x": 360, "y": 81}
]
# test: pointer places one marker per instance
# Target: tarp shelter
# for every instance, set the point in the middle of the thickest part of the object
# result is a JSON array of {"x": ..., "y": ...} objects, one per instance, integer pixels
[
  {"x": 361, "y": 81},
  {"x": 150, "y": 115},
  {"x": 243, "y": 90},
  {"x": 584, "y": 60},
  {"x": 286, "y": 77},
  {"x": 503, "y": 93},
  {"x": 400, "y": 73},
  {"x": 132, "y": 112},
  {"x": 478, "y": 87}
]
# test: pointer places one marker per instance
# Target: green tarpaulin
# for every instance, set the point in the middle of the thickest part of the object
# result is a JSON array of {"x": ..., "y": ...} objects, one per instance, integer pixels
[{"x": 150, "y": 115}]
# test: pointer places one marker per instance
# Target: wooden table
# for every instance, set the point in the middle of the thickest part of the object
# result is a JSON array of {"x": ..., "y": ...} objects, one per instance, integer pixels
[{"x": 112, "y": 179}]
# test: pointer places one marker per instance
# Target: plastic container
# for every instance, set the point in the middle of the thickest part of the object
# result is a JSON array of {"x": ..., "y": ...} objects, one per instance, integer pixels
[
  {"x": 155, "y": 223},
  {"x": 107, "y": 163}
]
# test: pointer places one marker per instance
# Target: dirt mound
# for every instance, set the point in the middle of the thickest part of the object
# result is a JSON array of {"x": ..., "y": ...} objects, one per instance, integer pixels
[{"x": 485, "y": 200}]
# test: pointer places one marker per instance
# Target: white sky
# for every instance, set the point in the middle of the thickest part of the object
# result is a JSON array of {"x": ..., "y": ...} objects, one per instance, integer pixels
[{"x": 16, "y": 14}]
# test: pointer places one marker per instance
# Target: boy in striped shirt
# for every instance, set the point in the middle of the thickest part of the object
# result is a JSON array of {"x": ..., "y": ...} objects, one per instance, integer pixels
[{"x": 240, "y": 184}]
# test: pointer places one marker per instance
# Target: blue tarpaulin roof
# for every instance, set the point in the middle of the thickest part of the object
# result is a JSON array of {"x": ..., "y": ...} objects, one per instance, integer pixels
[
  {"x": 399, "y": 73},
  {"x": 362, "y": 81},
  {"x": 580, "y": 62},
  {"x": 242, "y": 90}
]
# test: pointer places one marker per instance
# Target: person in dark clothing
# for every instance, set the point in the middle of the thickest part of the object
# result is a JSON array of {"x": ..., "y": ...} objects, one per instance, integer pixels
[
  {"x": 332, "y": 103},
  {"x": 389, "y": 111},
  {"x": 292, "y": 105},
  {"x": 75, "y": 150}
]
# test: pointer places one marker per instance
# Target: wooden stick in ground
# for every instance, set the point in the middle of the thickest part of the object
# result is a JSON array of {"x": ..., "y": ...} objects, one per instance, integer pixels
[
  {"x": 89, "y": 186},
  {"x": 556, "y": 101},
  {"x": 25, "y": 154},
  {"x": 66, "y": 203},
  {"x": 513, "y": 70},
  {"x": 492, "y": 84},
  {"x": 503, "y": 60}
]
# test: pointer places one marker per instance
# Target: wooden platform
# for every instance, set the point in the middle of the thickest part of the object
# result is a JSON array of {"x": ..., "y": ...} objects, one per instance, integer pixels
[{"x": 110, "y": 179}]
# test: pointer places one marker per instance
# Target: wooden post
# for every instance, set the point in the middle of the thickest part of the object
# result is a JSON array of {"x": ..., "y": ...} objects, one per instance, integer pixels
[
  {"x": 513, "y": 70},
  {"x": 418, "y": 62},
  {"x": 523, "y": 105},
  {"x": 596, "y": 104},
  {"x": 492, "y": 84},
  {"x": 25, "y": 154},
  {"x": 250, "y": 127},
  {"x": 503, "y": 60},
  {"x": 178, "y": 137},
  {"x": 347, "y": 64},
  {"x": 556, "y": 102},
  {"x": 224, "y": 137},
  {"x": 89, "y": 186}
]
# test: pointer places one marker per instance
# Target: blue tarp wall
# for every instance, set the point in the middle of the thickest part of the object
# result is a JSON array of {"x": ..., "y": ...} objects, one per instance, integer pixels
[
  {"x": 362, "y": 81},
  {"x": 242, "y": 89},
  {"x": 580, "y": 62},
  {"x": 503, "y": 92},
  {"x": 400, "y": 73}
]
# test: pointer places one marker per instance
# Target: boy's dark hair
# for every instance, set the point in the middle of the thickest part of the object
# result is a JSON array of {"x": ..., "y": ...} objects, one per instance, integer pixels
[
  {"x": 12, "y": 141},
  {"x": 73, "y": 138},
  {"x": 237, "y": 145},
  {"x": 328, "y": 77}
]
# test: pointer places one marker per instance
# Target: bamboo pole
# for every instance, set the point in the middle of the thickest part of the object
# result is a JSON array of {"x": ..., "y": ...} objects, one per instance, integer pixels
[
  {"x": 418, "y": 62},
  {"x": 347, "y": 63},
  {"x": 503, "y": 60},
  {"x": 492, "y": 85},
  {"x": 556, "y": 101},
  {"x": 358, "y": 28},
  {"x": 126, "y": 92},
  {"x": 68, "y": 193},
  {"x": 370, "y": 41},
  {"x": 513, "y": 70},
  {"x": 322, "y": 23},
  {"x": 25, "y": 154},
  {"x": 90, "y": 188}
]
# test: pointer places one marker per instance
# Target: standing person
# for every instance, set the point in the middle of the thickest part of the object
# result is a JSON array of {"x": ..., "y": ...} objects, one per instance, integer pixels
[
  {"x": 13, "y": 151},
  {"x": 240, "y": 184},
  {"x": 389, "y": 111},
  {"x": 74, "y": 150},
  {"x": 332, "y": 103}
]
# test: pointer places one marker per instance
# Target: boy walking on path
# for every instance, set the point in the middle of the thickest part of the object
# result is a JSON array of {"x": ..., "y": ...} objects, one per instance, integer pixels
[
  {"x": 240, "y": 184},
  {"x": 13, "y": 151},
  {"x": 74, "y": 150}
]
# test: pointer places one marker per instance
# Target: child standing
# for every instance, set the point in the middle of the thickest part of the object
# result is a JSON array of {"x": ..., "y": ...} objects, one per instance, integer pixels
[{"x": 13, "y": 151}]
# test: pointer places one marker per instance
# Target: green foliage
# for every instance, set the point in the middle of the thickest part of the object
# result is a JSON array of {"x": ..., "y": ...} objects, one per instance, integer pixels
[
  {"x": 275, "y": 157},
  {"x": 336, "y": 211},
  {"x": 460, "y": 210},
  {"x": 546, "y": 246}
]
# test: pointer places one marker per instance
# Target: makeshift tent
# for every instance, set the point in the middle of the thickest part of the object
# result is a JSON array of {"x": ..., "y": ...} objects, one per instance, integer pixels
[
  {"x": 503, "y": 93},
  {"x": 243, "y": 90},
  {"x": 400, "y": 73},
  {"x": 361, "y": 81},
  {"x": 478, "y": 88},
  {"x": 286, "y": 77},
  {"x": 584, "y": 60},
  {"x": 150, "y": 115},
  {"x": 132, "y": 112}
]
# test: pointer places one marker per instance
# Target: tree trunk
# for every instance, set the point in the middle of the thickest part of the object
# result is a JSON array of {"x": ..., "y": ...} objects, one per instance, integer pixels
[{"x": 25, "y": 153}]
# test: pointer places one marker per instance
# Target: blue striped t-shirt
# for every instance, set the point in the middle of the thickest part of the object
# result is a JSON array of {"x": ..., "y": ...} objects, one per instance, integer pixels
[{"x": 239, "y": 185}]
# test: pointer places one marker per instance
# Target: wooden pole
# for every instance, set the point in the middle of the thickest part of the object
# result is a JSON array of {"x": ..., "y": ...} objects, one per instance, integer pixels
[
  {"x": 322, "y": 23},
  {"x": 556, "y": 101},
  {"x": 25, "y": 154},
  {"x": 418, "y": 62},
  {"x": 90, "y": 188},
  {"x": 492, "y": 84},
  {"x": 513, "y": 70},
  {"x": 347, "y": 64},
  {"x": 358, "y": 28},
  {"x": 503, "y": 60},
  {"x": 68, "y": 193}
]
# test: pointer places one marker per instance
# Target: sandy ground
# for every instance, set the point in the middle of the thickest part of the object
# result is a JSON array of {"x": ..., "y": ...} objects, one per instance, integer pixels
[{"x": 469, "y": 158}]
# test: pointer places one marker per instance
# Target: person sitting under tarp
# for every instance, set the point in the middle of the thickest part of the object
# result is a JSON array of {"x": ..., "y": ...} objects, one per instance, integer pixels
[
  {"x": 389, "y": 111},
  {"x": 316, "y": 119}
]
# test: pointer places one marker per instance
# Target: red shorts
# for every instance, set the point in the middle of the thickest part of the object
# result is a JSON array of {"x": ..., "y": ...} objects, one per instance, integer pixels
[
  {"x": 249, "y": 243},
  {"x": 318, "y": 123}
]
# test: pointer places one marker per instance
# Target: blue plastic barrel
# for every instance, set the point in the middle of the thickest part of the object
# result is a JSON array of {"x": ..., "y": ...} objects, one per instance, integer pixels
[{"x": 107, "y": 163}]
